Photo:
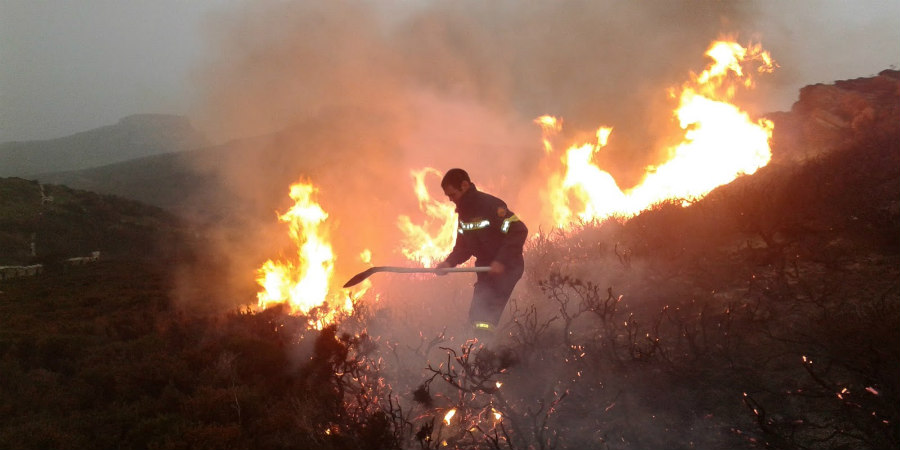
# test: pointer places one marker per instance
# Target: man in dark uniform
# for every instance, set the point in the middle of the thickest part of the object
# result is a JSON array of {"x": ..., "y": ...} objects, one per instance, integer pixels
[{"x": 491, "y": 233}]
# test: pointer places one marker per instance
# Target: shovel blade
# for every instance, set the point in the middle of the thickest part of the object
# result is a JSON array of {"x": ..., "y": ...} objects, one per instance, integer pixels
[{"x": 358, "y": 278}]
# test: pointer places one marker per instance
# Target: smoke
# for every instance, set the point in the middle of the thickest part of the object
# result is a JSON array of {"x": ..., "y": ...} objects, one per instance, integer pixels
[
  {"x": 352, "y": 96},
  {"x": 275, "y": 66}
]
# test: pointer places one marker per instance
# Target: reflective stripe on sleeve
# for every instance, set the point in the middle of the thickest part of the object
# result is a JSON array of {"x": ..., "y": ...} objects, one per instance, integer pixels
[
  {"x": 505, "y": 227},
  {"x": 469, "y": 226}
]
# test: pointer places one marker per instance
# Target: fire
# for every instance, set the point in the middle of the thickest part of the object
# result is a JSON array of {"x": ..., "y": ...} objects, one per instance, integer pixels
[
  {"x": 601, "y": 196},
  {"x": 720, "y": 143},
  {"x": 304, "y": 284},
  {"x": 449, "y": 416},
  {"x": 430, "y": 242},
  {"x": 366, "y": 256},
  {"x": 549, "y": 125}
]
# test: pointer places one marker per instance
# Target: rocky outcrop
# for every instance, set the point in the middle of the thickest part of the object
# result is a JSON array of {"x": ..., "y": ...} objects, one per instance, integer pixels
[{"x": 827, "y": 117}]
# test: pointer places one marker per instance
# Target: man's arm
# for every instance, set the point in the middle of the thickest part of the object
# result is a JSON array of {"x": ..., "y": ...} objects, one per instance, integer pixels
[
  {"x": 461, "y": 252},
  {"x": 515, "y": 233}
]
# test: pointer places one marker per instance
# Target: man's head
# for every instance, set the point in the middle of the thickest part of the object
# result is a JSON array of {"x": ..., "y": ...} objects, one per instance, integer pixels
[{"x": 455, "y": 183}]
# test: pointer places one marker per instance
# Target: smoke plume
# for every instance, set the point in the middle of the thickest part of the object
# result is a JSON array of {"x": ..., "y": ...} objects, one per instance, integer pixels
[{"x": 351, "y": 96}]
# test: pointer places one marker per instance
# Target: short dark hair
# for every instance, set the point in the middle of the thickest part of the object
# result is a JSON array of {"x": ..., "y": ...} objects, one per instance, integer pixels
[{"x": 454, "y": 178}]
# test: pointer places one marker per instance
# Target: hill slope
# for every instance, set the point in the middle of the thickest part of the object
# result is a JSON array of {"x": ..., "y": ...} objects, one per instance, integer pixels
[
  {"x": 132, "y": 137},
  {"x": 190, "y": 183},
  {"x": 48, "y": 223}
]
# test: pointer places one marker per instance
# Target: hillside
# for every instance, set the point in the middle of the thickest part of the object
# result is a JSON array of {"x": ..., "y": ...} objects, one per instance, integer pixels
[
  {"x": 167, "y": 181},
  {"x": 764, "y": 316},
  {"x": 132, "y": 137},
  {"x": 190, "y": 184},
  {"x": 49, "y": 223}
]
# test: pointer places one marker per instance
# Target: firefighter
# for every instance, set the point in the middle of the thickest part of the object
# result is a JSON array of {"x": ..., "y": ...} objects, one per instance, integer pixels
[{"x": 490, "y": 232}]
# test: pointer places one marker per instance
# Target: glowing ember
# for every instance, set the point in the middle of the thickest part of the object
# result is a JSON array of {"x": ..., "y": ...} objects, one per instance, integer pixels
[
  {"x": 366, "y": 256},
  {"x": 432, "y": 241},
  {"x": 720, "y": 143},
  {"x": 303, "y": 284},
  {"x": 449, "y": 416}
]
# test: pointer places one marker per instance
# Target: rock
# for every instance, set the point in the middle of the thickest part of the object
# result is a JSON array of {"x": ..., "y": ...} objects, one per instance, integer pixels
[{"x": 832, "y": 116}]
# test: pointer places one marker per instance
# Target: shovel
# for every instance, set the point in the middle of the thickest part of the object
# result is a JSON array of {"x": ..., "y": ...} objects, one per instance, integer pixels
[{"x": 358, "y": 278}]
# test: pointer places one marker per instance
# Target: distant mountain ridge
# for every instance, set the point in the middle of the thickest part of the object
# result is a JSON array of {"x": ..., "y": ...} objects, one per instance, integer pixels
[
  {"x": 132, "y": 137},
  {"x": 191, "y": 183}
]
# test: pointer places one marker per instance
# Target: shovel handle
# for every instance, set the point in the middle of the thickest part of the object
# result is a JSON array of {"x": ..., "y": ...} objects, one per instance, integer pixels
[{"x": 358, "y": 278}]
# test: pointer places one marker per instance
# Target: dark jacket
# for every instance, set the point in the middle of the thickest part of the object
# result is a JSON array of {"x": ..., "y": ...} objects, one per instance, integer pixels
[{"x": 487, "y": 230}]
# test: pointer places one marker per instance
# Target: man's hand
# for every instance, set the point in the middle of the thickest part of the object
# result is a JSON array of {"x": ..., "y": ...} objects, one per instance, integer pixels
[
  {"x": 497, "y": 268},
  {"x": 440, "y": 266}
]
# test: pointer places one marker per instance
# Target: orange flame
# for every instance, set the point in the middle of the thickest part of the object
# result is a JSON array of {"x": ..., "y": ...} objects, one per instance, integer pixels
[
  {"x": 449, "y": 416},
  {"x": 720, "y": 143},
  {"x": 549, "y": 126},
  {"x": 366, "y": 256},
  {"x": 304, "y": 284},
  {"x": 431, "y": 241}
]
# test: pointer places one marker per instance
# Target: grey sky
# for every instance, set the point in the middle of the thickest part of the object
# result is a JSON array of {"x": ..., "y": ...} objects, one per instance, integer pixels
[{"x": 68, "y": 66}]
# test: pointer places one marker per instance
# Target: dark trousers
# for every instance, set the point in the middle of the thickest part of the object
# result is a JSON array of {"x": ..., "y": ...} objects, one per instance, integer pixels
[{"x": 492, "y": 293}]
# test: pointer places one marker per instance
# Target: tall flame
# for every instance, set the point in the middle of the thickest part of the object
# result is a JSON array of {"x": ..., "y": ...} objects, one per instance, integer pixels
[
  {"x": 303, "y": 284},
  {"x": 431, "y": 241},
  {"x": 720, "y": 143}
]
